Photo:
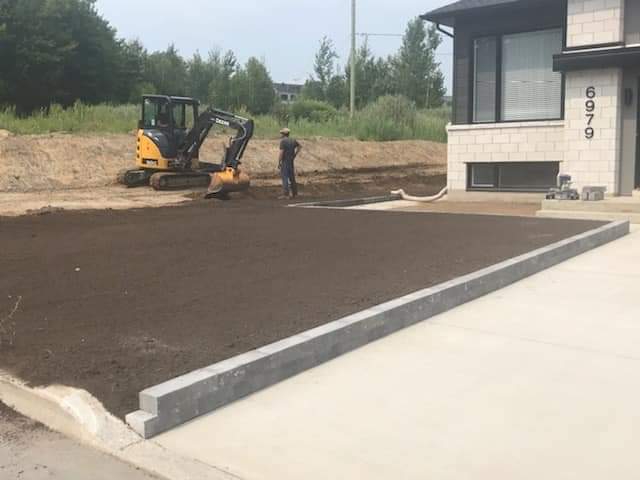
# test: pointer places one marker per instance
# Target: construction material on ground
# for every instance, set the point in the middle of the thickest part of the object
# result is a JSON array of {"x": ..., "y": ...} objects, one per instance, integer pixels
[
  {"x": 564, "y": 190},
  {"x": 122, "y": 323},
  {"x": 593, "y": 194},
  {"x": 412, "y": 198}
]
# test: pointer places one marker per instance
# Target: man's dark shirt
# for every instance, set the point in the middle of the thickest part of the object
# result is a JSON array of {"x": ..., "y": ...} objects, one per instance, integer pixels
[{"x": 288, "y": 146}]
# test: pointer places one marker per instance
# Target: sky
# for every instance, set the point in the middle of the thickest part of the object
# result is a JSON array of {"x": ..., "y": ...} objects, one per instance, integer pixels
[{"x": 284, "y": 34}]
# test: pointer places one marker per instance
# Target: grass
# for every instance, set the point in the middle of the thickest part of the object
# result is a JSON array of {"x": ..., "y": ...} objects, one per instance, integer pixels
[
  {"x": 78, "y": 119},
  {"x": 368, "y": 125}
]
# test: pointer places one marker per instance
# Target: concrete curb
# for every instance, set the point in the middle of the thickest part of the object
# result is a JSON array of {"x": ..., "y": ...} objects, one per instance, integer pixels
[
  {"x": 71, "y": 411},
  {"x": 349, "y": 202},
  {"x": 177, "y": 401},
  {"x": 77, "y": 414}
]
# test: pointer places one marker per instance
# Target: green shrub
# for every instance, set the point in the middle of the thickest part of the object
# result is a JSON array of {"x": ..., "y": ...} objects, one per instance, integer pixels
[
  {"x": 390, "y": 118},
  {"x": 313, "y": 110},
  {"x": 77, "y": 118}
]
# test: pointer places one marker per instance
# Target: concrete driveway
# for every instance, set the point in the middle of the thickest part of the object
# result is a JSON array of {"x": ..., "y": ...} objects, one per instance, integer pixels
[{"x": 538, "y": 380}]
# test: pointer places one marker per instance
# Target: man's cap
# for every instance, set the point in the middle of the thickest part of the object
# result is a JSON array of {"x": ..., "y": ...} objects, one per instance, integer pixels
[{"x": 285, "y": 131}]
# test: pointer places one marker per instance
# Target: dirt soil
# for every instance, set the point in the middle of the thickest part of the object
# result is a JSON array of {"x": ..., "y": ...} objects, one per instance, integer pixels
[
  {"x": 68, "y": 161},
  {"x": 117, "y": 301},
  {"x": 328, "y": 185}
]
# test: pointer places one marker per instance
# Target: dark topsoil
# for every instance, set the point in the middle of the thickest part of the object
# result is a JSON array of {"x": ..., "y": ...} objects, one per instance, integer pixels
[{"x": 114, "y": 302}]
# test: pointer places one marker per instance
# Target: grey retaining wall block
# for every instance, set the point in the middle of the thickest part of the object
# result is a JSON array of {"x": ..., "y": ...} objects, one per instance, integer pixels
[{"x": 177, "y": 401}]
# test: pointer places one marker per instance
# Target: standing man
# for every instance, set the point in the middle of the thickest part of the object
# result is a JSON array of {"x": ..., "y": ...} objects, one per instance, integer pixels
[{"x": 289, "y": 150}]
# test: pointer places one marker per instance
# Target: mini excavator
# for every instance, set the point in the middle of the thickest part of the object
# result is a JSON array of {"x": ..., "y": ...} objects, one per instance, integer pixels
[{"x": 171, "y": 132}]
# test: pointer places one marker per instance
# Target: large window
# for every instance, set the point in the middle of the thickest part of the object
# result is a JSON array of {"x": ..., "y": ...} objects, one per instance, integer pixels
[
  {"x": 514, "y": 78},
  {"x": 484, "y": 90},
  {"x": 514, "y": 176}
]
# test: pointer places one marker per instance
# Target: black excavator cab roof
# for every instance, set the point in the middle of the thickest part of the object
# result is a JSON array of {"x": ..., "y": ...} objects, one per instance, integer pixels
[{"x": 172, "y": 99}]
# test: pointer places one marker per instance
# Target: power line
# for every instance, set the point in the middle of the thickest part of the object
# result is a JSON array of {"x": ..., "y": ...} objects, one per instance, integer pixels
[
  {"x": 366, "y": 35},
  {"x": 379, "y": 34}
]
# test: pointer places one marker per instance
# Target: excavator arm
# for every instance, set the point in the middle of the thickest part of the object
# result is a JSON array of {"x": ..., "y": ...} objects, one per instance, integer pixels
[{"x": 206, "y": 121}]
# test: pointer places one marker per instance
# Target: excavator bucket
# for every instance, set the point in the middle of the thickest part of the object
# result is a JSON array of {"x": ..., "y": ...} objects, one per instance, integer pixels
[{"x": 227, "y": 181}]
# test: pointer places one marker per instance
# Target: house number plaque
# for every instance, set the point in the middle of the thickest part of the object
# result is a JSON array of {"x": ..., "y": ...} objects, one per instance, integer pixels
[{"x": 590, "y": 108}]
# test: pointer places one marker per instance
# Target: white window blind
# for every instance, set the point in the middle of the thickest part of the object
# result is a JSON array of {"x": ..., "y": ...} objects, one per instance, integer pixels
[
  {"x": 531, "y": 90},
  {"x": 484, "y": 89}
]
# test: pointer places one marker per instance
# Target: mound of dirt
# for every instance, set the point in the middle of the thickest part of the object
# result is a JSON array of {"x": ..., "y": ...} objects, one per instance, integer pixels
[{"x": 69, "y": 161}]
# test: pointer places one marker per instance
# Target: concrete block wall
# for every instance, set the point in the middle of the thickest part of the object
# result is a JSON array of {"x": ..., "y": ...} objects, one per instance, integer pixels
[
  {"x": 502, "y": 142},
  {"x": 593, "y": 161},
  {"x": 592, "y": 22}
]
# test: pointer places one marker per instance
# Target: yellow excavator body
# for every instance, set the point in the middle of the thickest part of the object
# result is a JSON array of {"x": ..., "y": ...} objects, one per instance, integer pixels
[
  {"x": 148, "y": 154},
  {"x": 168, "y": 141}
]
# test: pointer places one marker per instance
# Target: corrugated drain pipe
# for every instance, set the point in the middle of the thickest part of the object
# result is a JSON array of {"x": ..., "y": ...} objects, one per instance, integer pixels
[{"x": 411, "y": 198}]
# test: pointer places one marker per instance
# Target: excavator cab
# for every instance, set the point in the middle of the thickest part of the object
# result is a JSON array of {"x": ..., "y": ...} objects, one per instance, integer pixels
[
  {"x": 162, "y": 128},
  {"x": 171, "y": 131}
]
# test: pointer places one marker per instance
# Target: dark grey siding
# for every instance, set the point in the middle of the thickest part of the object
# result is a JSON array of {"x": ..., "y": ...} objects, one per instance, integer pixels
[
  {"x": 632, "y": 21},
  {"x": 549, "y": 15}
]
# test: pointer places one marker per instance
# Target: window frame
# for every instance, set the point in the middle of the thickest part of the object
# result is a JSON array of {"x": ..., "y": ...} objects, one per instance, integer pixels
[
  {"x": 497, "y": 187},
  {"x": 499, "y": 37}
]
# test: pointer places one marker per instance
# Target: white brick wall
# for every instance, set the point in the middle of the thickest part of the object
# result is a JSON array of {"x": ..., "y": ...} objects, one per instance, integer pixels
[
  {"x": 594, "y": 161},
  {"x": 591, "y": 22},
  {"x": 502, "y": 142}
]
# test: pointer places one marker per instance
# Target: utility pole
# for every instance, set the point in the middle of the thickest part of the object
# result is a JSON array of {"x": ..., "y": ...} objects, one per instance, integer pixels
[{"x": 353, "y": 58}]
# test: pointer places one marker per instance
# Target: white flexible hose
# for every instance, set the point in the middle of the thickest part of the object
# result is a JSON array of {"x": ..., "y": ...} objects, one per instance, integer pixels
[{"x": 411, "y": 198}]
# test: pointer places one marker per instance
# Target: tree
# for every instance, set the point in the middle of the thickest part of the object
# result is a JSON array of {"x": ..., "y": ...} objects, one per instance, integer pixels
[
  {"x": 312, "y": 90},
  {"x": 222, "y": 68},
  {"x": 252, "y": 87},
  {"x": 416, "y": 73},
  {"x": 90, "y": 73},
  {"x": 324, "y": 64},
  {"x": 167, "y": 71},
  {"x": 61, "y": 51},
  {"x": 131, "y": 74},
  {"x": 199, "y": 77},
  {"x": 26, "y": 55},
  {"x": 383, "y": 79},
  {"x": 366, "y": 75},
  {"x": 337, "y": 93},
  {"x": 316, "y": 87}
]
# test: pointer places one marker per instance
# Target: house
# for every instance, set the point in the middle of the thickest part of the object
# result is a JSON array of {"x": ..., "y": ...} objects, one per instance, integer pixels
[
  {"x": 542, "y": 87},
  {"x": 287, "y": 92}
]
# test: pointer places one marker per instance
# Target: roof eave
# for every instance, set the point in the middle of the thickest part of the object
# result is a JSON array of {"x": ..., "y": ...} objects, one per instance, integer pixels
[{"x": 447, "y": 20}]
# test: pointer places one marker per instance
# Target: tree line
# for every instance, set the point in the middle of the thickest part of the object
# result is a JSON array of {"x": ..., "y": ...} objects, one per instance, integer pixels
[
  {"x": 412, "y": 72},
  {"x": 63, "y": 51}
]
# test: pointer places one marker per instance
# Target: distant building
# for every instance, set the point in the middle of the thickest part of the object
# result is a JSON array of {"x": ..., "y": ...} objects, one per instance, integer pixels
[{"x": 287, "y": 92}]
